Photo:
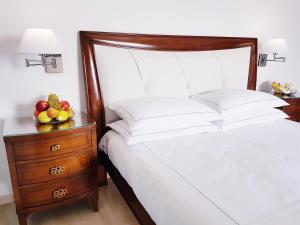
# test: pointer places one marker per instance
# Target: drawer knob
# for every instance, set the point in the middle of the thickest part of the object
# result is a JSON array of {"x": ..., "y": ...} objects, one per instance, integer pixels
[
  {"x": 57, "y": 170},
  {"x": 60, "y": 193},
  {"x": 55, "y": 148}
]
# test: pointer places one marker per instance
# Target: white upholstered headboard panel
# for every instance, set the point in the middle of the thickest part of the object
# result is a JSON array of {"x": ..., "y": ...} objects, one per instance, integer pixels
[{"x": 131, "y": 73}]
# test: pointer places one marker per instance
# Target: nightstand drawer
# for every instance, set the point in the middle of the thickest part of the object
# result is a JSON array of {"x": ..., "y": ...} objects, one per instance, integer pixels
[
  {"x": 36, "y": 195},
  {"x": 34, "y": 172},
  {"x": 52, "y": 146}
]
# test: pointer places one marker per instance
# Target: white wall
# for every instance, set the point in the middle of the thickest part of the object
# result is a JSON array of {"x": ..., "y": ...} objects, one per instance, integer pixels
[{"x": 20, "y": 86}]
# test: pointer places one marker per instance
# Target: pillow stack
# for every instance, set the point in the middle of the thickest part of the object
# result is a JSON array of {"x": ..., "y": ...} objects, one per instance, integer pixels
[
  {"x": 147, "y": 119},
  {"x": 242, "y": 107},
  {"x": 153, "y": 118}
]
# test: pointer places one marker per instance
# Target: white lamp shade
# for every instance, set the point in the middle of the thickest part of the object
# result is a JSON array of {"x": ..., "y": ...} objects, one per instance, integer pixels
[
  {"x": 276, "y": 45},
  {"x": 39, "y": 41}
]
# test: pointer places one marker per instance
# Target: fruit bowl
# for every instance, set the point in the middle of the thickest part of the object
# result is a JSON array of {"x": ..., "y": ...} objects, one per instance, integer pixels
[
  {"x": 52, "y": 110},
  {"x": 283, "y": 89}
]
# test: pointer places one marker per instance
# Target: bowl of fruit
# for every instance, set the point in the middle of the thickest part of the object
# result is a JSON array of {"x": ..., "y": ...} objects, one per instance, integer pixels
[
  {"x": 283, "y": 89},
  {"x": 53, "y": 110}
]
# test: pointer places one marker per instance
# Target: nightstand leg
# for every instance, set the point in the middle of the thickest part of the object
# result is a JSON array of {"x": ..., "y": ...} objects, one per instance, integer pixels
[
  {"x": 22, "y": 219},
  {"x": 95, "y": 202}
]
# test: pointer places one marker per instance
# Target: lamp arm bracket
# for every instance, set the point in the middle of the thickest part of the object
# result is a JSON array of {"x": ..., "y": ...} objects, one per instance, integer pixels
[
  {"x": 263, "y": 59},
  {"x": 29, "y": 63},
  {"x": 43, "y": 61}
]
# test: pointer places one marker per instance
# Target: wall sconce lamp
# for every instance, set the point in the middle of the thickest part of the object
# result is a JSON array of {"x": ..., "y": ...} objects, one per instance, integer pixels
[
  {"x": 274, "y": 46},
  {"x": 44, "y": 43}
]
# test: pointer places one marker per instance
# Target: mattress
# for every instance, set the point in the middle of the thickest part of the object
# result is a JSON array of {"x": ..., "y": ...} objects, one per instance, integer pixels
[{"x": 245, "y": 176}]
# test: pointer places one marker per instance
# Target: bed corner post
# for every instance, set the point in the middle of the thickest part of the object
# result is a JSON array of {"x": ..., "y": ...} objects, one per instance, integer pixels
[
  {"x": 95, "y": 107},
  {"x": 252, "y": 76}
]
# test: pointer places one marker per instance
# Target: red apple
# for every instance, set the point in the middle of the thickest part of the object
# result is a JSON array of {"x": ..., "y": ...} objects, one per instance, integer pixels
[
  {"x": 41, "y": 105},
  {"x": 36, "y": 113},
  {"x": 65, "y": 105}
]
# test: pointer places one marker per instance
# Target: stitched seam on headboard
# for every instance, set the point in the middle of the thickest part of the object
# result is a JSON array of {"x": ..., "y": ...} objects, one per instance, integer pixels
[
  {"x": 221, "y": 67},
  {"x": 183, "y": 73},
  {"x": 140, "y": 73}
]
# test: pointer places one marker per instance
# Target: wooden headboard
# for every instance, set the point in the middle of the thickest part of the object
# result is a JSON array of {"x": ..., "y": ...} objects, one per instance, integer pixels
[{"x": 95, "y": 105}]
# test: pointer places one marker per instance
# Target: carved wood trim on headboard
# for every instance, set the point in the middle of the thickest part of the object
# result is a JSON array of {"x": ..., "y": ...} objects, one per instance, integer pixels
[{"x": 95, "y": 106}]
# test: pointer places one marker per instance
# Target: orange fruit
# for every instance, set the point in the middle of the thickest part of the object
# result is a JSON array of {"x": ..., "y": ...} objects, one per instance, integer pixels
[{"x": 52, "y": 112}]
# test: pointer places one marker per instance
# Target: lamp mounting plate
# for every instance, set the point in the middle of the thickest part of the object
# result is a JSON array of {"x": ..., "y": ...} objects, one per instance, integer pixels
[
  {"x": 262, "y": 60},
  {"x": 53, "y": 63}
]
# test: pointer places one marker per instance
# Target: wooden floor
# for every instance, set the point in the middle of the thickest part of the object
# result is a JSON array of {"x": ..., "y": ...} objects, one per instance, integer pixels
[{"x": 112, "y": 211}]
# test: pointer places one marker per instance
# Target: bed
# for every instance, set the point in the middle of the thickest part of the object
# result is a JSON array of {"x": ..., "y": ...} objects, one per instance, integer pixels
[{"x": 194, "y": 180}]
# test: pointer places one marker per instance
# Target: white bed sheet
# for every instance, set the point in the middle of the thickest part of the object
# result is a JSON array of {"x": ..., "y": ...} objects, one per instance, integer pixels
[{"x": 245, "y": 176}]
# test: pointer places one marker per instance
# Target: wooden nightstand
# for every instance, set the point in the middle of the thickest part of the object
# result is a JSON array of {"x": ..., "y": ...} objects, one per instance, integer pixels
[
  {"x": 51, "y": 165},
  {"x": 293, "y": 110}
]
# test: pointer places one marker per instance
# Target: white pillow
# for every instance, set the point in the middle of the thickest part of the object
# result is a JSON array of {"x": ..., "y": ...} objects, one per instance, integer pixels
[
  {"x": 244, "y": 115},
  {"x": 252, "y": 117},
  {"x": 156, "y": 114},
  {"x": 233, "y": 100},
  {"x": 130, "y": 137}
]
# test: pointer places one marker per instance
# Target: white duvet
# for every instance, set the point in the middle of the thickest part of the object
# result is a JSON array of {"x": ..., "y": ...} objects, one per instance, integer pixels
[{"x": 245, "y": 176}]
